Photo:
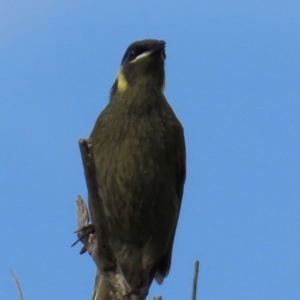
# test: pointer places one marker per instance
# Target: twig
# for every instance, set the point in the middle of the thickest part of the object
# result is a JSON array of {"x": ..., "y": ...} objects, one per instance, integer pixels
[
  {"x": 89, "y": 241},
  {"x": 195, "y": 280},
  {"x": 17, "y": 284},
  {"x": 104, "y": 257}
]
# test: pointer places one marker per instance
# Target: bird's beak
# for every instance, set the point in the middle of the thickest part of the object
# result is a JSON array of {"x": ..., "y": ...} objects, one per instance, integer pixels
[{"x": 158, "y": 47}]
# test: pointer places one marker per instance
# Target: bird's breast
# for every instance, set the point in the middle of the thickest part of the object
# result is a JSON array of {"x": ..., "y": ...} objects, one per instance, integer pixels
[{"x": 135, "y": 162}]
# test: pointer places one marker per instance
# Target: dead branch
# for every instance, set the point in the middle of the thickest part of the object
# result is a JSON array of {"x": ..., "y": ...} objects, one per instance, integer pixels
[
  {"x": 18, "y": 285},
  {"x": 195, "y": 280},
  {"x": 104, "y": 257}
]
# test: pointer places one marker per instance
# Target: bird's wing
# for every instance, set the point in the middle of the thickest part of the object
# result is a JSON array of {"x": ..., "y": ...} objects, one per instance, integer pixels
[{"x": 164, "y": 266}]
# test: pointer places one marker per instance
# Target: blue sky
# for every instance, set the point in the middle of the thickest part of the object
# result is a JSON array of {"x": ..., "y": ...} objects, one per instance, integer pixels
[{"x": 233, "y": 78}]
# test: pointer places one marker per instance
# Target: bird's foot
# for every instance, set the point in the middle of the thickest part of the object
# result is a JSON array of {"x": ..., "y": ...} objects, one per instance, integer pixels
[{"x": 83, "y": 233}]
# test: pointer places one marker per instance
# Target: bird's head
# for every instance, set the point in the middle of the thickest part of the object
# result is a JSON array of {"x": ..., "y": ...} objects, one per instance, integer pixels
[{"x": 142, "y": 65}]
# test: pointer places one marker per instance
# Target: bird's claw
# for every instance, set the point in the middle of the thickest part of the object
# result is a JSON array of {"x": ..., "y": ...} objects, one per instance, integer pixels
[{"x": 83, "y": 233}]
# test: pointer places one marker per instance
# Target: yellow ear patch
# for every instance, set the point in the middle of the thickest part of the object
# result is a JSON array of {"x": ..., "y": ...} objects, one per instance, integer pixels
[{"x": 122, "y": 83}]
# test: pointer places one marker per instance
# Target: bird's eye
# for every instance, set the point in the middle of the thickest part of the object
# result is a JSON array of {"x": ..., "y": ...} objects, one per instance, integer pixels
[{"x": 131, "y": 55}]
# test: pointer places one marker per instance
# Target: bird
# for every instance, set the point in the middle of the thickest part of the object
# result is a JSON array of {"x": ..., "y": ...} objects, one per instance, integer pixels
[{"x": 140, "y": 159}]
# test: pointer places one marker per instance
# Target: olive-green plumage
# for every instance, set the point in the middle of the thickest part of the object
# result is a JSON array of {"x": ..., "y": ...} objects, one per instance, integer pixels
[{"x": 139, "y": 151}]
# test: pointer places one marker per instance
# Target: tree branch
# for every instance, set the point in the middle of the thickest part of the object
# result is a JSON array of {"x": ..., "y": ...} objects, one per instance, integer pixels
[
  {"x": 104, "y": 257},
  {"x": 18, "y": 285},
  {"x": 195, "y": 280}
]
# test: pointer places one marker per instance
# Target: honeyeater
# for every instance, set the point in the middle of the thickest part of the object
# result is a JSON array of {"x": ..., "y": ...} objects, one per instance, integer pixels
[{"x": 139, "y": 153}]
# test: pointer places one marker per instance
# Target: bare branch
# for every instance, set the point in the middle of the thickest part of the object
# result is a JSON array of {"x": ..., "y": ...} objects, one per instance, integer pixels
[
  {"x": 195, "y": 280},
  {"x": 17, "y": 284},
  {"x": 104, "y": 257},
  {"x": 89, "y": 240}
]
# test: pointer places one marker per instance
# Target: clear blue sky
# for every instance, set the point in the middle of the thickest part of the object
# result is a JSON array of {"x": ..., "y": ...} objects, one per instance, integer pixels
[{"x": 233, "y": 78}]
